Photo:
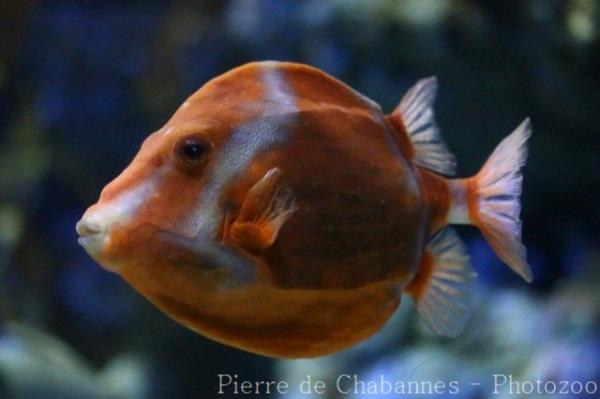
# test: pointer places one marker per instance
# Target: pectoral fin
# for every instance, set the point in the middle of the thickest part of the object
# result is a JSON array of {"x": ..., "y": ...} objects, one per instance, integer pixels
[{"x": 265, "y": 209}]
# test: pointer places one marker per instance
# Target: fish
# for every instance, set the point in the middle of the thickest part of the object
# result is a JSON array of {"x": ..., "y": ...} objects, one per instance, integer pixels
[{"x": 281, "y": 212}]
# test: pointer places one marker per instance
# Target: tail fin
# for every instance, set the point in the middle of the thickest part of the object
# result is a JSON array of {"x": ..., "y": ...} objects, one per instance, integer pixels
[{"x": 493, "y": 200}]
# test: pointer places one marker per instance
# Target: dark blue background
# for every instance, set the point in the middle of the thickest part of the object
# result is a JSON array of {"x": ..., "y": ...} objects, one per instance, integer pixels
[{"x": 83, "y": 82}]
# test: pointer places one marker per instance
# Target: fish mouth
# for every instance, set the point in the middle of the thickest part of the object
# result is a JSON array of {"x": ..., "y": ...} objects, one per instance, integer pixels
[{"x": 92, "y": 236}]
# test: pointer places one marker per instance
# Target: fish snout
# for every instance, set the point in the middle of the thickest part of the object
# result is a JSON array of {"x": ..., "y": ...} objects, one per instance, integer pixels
[
  {"x": 92, "y": 234},
  {"x": 86, "y": 228}
]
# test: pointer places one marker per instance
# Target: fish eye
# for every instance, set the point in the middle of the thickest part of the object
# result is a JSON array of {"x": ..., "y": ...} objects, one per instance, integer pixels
[{"x": 192, "y": 150}]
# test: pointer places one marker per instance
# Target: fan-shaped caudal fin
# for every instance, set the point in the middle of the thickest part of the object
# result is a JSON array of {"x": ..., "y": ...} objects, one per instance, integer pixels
[
  {"x": 491, "y": 200},
  {"x": 442, "y": 287},
  {"x": 415, "y": 112}
]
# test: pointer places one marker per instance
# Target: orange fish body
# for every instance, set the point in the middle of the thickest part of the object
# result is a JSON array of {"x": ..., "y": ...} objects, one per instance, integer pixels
[{"x": 281, "y": 212}]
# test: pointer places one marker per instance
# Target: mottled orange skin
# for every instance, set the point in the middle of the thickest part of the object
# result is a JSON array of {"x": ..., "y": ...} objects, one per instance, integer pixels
[{"x": 336, "y": 270}]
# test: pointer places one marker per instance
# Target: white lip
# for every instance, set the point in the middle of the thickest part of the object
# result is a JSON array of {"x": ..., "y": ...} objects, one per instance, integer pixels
[
  {"x": 91, "y": 236},
  {"x": 87, "y": 228},
  {"x": 92, "y": 244}
]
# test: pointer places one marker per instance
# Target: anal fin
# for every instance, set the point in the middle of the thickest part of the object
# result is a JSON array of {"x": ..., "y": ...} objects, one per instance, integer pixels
[{"x": 443, "y": 285}]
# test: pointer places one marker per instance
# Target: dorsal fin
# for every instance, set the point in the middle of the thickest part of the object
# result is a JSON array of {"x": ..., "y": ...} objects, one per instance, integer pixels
[{"x": 416, "y": 113}]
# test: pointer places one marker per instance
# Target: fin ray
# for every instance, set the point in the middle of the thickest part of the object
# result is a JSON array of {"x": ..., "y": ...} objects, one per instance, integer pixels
[
  {"x": 498, "y": 197},
  {"x": 416, "y": 112},
  {"x": 266, "y": 208},
  {"x": 442, "y": 289}
]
